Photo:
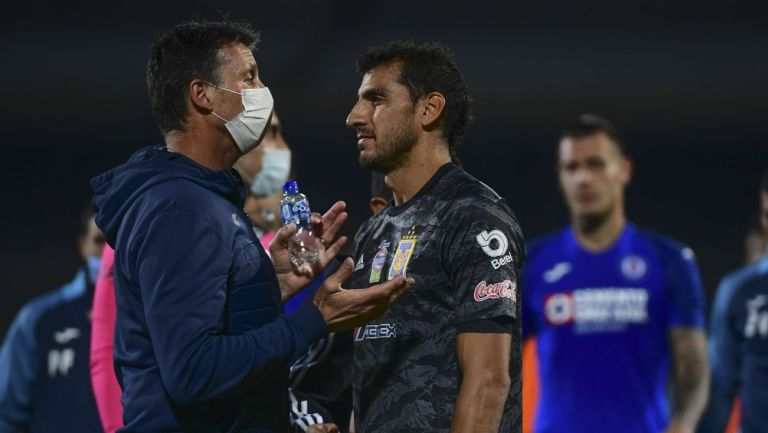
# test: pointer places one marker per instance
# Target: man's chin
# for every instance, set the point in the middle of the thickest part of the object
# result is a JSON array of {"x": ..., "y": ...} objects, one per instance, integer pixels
[
  {"x": 591, "y": 218},
  {"x": 372, "y": 163}
]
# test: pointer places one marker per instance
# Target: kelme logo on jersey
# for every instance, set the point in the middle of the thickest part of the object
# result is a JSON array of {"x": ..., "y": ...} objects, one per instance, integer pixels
[
  {"x": 378, "y": 262},
  {"x": 374, "y": 332},
  {"x": 504, "y": 289},
  {"x": 66, "y": 335},
  {"x": 495, "y": 244},
  {"x": 403, "y": 254},
  {"x": 557, "y": 272}
]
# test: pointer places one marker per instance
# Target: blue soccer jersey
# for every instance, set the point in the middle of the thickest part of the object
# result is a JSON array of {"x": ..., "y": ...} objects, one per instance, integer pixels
[{"x": 601, "y": 323}]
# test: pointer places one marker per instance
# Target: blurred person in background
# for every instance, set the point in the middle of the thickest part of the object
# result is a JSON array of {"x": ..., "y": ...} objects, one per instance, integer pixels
[
  {"x": 738, "y": 347},
  {"x": 106, "y": 389},
  {"x": 447, "y": 356},
  {"x": 614, "y": 308},
  {"x": 201, "y": 339},
  {"x": 755, "y": 241},
  {"x": 381, "y": 194},
  {"x": 265, "y": 170},
  {"x": 44, "y": 384}
]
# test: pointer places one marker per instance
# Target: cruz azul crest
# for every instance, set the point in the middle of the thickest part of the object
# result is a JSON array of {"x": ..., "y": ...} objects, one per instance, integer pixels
[{"x": 403, "y": 254}]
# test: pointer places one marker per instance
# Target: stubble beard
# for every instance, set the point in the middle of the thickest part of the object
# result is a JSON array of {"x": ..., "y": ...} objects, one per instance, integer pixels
[{"x": 392, "y": 152}]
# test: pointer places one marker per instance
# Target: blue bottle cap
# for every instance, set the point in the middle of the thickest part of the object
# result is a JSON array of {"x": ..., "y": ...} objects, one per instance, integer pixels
[{"x": 291, "y": 187}]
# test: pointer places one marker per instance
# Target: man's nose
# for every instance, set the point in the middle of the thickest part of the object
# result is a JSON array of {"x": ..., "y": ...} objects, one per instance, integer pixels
[
  {"x": 355, "y": 116},
  {"x": 583, "y": 175}
]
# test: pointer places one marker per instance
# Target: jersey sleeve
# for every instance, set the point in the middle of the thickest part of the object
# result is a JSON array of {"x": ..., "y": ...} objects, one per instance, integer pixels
[
  {"x": 19, "y": 356},
  {"x": 725, "y": 361},
  {"x": 686, "y": 292},
  {"x": 482, "y": 254}
]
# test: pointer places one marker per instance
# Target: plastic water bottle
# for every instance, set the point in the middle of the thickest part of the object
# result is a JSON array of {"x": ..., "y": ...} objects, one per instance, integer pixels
[{"x": 294, "y": 209}]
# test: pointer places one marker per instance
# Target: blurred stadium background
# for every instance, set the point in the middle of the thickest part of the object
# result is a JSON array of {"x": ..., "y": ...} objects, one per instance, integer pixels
[{"x": 685, "y": 80}]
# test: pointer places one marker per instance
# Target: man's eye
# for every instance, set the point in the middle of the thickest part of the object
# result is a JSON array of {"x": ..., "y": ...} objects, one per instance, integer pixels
[{"x": 596, "y": 164}]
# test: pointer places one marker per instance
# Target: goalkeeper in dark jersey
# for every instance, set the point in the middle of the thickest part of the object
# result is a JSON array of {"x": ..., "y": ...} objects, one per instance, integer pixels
[{"x": 446, "y": 357}]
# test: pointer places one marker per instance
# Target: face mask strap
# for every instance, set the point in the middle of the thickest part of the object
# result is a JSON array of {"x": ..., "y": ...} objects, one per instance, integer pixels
[
  {"x": 222, "y": 119},
  {"x": 226, "y": 90},
  {"x": 223, "y": 88}
]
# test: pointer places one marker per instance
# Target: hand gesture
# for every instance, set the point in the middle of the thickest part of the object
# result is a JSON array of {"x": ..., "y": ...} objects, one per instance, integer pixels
[
  {"x": 347, "y": 308},
  {"x": 323, "y": 428}
]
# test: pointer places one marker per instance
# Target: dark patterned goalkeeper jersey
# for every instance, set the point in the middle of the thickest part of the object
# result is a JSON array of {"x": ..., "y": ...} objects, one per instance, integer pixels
[{"x": 462, "y": 244}]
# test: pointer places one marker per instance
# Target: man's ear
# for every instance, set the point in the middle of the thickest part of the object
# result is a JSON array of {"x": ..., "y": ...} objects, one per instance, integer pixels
[
  {"x": 627, "y": 169},
  {"x": 431, "y": 109},
  {"x": 198, "y": 95},
  {"x": 377, "y": 204}
]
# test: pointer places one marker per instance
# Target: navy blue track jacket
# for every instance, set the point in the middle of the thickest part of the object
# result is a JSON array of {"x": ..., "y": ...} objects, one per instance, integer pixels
[{"x": 201, "y": 341}]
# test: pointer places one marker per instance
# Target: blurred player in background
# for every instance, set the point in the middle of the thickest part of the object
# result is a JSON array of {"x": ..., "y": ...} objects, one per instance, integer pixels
[
  {"x": 754, "y": 241},
  {"x": 738, "y": 348},
  {"x": 44, "y": 385},
  {"x": 614, "y": 308}
]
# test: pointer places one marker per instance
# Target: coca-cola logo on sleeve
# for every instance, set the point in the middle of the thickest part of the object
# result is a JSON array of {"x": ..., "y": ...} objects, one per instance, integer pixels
[{"x": 504, "y": 289}]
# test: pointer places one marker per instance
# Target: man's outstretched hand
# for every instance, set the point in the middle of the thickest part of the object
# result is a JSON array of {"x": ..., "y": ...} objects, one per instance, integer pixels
[{"x": 347, "y": 308}]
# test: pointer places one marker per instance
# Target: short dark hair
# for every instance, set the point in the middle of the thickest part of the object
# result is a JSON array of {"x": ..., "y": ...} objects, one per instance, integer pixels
[
  {"x": 428, "y": 67},
  {"x": 186, "y": 52},
  {"x": 589, "y": 124},
  {"x": 379, "y": 187}
]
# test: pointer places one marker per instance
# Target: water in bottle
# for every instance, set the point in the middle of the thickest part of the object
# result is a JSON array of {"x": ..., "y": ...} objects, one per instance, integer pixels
[{"x": 294, "y": 209}]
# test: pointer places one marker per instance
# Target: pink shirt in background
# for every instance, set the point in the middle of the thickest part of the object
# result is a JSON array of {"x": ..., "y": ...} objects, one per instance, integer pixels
[
  {"x": 105, "y": 387},
  {"x": 266, "y": 238}
]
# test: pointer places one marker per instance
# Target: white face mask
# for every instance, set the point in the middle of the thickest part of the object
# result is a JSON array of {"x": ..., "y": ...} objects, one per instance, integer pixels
[
  {"x": 248, "y": 128},
  {"x": 275, "y": 168}
]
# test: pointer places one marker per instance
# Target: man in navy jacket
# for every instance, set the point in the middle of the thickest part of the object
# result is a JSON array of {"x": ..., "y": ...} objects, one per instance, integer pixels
[{"x": 201, "y": 340}]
